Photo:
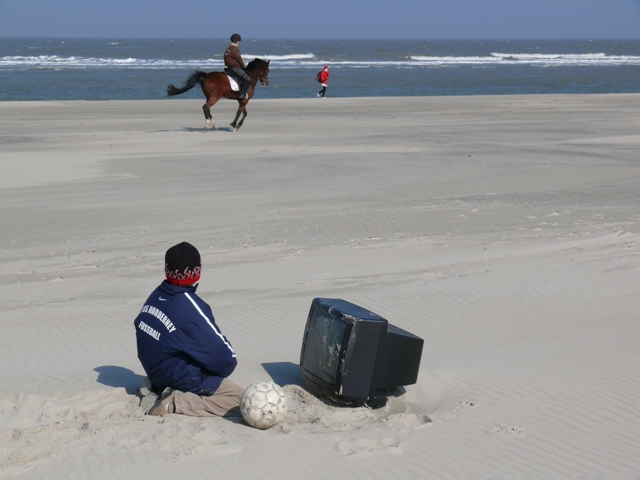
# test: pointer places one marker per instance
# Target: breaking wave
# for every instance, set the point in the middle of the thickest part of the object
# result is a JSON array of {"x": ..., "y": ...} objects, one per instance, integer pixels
[
  {"x": 556, "y": 60},
  {"x": 309, "y": 60}
]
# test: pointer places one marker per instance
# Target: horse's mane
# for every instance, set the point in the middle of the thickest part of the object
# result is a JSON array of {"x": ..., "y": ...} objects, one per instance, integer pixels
[{"x": 255, "y": 62}]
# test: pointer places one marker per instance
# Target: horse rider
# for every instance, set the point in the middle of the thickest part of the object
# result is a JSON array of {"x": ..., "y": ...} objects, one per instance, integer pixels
[{"x": 233, "y": 61}]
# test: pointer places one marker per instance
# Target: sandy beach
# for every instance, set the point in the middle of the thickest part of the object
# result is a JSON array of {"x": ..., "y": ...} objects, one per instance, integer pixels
[{"x": 502, "y": 230}]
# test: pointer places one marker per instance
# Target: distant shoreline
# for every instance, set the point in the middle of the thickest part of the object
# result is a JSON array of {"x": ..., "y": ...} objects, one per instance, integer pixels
[{"x": 128, "y": 69}]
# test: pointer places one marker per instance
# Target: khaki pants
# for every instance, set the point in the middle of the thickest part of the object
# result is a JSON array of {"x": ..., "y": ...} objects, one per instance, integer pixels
[{"x": 225, "y": 402}]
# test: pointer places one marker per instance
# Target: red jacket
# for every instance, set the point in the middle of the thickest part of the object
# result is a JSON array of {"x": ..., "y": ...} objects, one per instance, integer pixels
[{"x": 324, "y": 76}]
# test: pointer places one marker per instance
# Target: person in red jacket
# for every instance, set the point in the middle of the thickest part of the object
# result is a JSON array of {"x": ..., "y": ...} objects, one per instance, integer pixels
[{"x": 323, "y": 78}]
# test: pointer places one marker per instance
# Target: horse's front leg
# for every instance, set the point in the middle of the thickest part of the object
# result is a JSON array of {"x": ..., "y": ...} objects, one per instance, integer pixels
[
  {"x": 235, "y": 120},
  {"x": 244, "y": 115}
]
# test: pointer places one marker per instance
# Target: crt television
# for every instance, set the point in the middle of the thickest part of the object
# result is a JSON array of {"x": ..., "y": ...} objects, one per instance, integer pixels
[{"x": 355, "y": 357}]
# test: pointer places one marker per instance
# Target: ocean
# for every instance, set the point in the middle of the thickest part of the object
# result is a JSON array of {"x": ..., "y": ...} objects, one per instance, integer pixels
[{"x": 123, "y": 69}]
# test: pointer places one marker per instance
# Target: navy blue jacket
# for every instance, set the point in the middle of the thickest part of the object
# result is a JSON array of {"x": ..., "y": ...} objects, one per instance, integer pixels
[{"x": 179, "y": 344}]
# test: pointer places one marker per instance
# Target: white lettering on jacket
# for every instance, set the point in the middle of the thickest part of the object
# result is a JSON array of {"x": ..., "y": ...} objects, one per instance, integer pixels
[
  {"x": 151, "y": 310},
  {"x": 149, "y": 331}
]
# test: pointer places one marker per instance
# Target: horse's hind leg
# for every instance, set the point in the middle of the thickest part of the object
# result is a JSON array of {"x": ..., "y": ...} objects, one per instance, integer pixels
[
  {"x": 206, "y": 108},
  {"x": 208, "y": 119},
  {"x": 207, "y": 114}
]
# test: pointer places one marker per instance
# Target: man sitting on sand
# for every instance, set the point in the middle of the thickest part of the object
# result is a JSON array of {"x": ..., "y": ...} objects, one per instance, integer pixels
[{"x": 180, "y": 346}]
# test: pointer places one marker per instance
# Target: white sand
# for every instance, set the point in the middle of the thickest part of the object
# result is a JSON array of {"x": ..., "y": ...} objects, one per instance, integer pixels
[{"x": 502, "y": 230}]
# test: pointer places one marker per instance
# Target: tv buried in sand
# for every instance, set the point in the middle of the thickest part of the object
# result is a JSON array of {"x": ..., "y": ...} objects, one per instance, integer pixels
[{"x": 354, "y": 356}]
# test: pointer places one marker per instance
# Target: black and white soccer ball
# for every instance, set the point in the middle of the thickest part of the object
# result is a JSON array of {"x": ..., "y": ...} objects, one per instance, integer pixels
[{"x": 263, "y": 405}]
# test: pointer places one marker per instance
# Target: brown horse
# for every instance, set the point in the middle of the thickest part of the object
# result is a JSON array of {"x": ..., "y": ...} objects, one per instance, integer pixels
[{"x": 215, "y": 85}]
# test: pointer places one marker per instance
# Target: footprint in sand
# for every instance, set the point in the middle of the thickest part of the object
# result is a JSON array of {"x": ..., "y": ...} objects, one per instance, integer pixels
[
  {"x": 365, "y": 447},
  {"x": 455, "y": 413},
  {"x": 507, "y": 431}
]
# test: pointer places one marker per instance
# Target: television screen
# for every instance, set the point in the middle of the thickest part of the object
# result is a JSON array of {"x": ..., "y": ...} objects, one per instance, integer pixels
[
  {"x": 326, "y": 335},
  {"x": 354, "y": 356}
]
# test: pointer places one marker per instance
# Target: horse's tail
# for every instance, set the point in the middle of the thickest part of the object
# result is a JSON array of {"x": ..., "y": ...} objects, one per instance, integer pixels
[{"x": 196, "y": 77}]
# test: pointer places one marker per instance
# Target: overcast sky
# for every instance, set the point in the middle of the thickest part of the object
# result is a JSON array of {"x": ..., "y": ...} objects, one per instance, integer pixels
[{"x": 500, "y": 19}]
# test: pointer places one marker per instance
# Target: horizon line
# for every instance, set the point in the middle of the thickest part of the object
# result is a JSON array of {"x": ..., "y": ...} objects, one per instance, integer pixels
[{"x": 98, "y": 37}]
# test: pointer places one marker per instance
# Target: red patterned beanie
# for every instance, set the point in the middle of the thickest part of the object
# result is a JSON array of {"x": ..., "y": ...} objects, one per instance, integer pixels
[{"x": 182, "y": 264}]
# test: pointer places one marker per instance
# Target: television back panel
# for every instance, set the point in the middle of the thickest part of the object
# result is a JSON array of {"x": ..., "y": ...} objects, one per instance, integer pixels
[{"x": 401, "y": 362}]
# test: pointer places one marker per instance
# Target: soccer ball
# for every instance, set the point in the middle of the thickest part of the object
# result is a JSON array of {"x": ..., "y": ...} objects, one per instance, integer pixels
[{"x": 263, "y": 405}]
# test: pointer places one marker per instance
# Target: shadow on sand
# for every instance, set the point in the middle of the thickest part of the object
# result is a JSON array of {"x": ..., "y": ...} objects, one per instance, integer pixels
[
  {"x": 115, "y": 376},
  {"x": 284, "y": 373}
]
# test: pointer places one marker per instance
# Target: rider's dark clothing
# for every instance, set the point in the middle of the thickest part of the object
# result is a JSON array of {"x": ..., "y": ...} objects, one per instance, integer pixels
[
  {"x": 233, "y": 60},
  {"x": 232, "y": 56},
  {"x": 245, "y": 81}
]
